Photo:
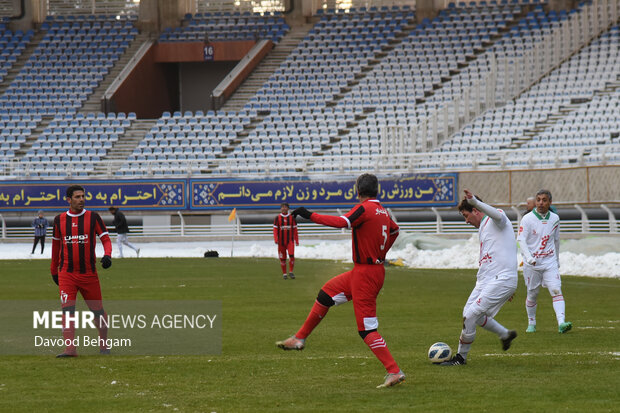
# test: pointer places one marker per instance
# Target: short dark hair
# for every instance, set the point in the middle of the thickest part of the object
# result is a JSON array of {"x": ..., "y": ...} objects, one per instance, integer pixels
[
  {"x": 285, "y": 204},
  {"x": 545, "y": 192},
  {"x": 112, "y": 209},
  {"x": 367, "y": 185},
  {"x": 74, "y": 188},
  {"x": 466, "y": 206}
]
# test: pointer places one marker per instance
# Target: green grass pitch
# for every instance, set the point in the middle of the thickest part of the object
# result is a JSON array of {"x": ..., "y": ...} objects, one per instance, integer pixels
[{"x": 543, "y": 372}]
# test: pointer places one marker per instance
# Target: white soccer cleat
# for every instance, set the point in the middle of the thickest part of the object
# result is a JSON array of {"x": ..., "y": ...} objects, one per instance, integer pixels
[
  {"x": 392, "y": 379},
  {"x": 291, "y": 343}
]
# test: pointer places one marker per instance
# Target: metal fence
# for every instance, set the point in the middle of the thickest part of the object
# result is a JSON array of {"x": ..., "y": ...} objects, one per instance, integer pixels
[{"x": 258, "y": 231}]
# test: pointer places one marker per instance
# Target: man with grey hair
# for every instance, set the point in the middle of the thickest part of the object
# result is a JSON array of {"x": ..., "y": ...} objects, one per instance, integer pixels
[
  {"x": 40, "y": 225},
  {"x": 539, "y": 242}
]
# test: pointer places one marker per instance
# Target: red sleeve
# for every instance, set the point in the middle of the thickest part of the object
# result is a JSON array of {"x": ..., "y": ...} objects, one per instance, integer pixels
[
  {"x": 295, "y": 233},
  {"x": 275, "y": 230},
  {"x": 102, "y": 232},
  {"x": 55, "y": 246},
  {"x": 329, "y": 220},
  {"x": 107, "y": 244},
  {"x": 394, "y": 231}
]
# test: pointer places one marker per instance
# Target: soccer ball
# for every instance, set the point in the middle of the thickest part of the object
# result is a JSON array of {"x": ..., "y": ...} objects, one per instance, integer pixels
[{"x": 439, "y": 352}]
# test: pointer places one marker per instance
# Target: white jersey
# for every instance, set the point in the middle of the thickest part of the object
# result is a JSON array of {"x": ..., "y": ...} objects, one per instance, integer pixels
[
  {"x": 539, "y": 239},
  {"x": 498, "y": 248}
]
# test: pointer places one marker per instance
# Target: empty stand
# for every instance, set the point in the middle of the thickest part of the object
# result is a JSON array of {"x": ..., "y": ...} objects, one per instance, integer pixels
[{"x": 228, "y": 26}]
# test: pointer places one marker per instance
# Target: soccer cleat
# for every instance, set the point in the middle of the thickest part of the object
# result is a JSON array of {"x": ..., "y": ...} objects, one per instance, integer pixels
[
  {"x": 565, "y": 327},
  {"x": 291, "y": 275},
  {"x": 456, "y": 360},
  {"x": 531, "y": 328},
  {"x": 392, "y": 379},
  {"x": 64, "y": 355},
  {"x": 284, "y": 276},
  {"x": 506, "y": 341},
  {"x": 105, "y": 351},
  {"x": 291, "y": 343},
  {"x": 138, "y": 253}
]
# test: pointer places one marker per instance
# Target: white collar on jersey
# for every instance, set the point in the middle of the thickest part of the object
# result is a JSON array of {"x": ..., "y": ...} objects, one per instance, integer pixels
[
  {"x": 76, "y": 215},
  {"x": 285, "y": 215}
]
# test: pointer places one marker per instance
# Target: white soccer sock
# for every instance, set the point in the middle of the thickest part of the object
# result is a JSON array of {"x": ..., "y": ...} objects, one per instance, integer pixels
[
  {"x": 530, "y": 308},
  {"x": 464, "y": 349},
  {"x": 495, "y": 327},
  {"x": 468, "y": 335},
  {"x": 559, "y": 307}
]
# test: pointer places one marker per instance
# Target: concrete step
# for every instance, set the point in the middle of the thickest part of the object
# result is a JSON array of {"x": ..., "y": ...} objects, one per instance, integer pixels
[
  {"x": 126, "y": 143},
  {"x": 266, "y": 68},
  {"x": 21, "y": 61}
]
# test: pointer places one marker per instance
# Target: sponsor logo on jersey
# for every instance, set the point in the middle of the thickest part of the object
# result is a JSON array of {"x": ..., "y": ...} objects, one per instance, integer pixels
[
  {"x": 543, "y": 254},
  {"x": 381, "y": 211},
  {"x": 76, "y": 239}
]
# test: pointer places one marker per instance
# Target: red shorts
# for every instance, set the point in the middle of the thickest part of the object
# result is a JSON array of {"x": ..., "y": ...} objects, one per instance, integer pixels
[
  {"x": 87, "y": 284},
  {"x": 283, "y": 249},
  {"x": 362, "y": 285}
]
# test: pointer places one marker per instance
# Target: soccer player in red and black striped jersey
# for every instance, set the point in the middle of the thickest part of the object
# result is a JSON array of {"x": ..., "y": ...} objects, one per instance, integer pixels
[
  {"x": 285, "y": 235},
  {"x": 374, "y": 232},
  {"x": 73, "y": 264}
]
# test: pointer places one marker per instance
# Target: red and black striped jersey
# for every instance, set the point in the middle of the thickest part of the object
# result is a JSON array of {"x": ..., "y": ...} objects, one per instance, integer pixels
[
  {"x": 374, "y": 231},
  {"x": 73, "y": 245},
  {"x": 285, "y": 229}
]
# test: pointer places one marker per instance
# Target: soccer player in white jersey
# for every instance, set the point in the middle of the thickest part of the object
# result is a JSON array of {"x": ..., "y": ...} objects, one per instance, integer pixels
[
  {"x": 497, "y": 275},
  {"x": 539, "y": 242}
]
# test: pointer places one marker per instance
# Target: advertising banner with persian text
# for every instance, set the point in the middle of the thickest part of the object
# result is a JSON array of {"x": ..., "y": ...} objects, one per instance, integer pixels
[
  {"x": 136, "y": 195},
  {"x": 423, "y": 190}
]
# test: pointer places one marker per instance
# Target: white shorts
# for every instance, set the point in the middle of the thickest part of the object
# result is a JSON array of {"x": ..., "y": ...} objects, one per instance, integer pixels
[
  {"x": 489, "y": 297},
  {"x": 547, "y": 277}
]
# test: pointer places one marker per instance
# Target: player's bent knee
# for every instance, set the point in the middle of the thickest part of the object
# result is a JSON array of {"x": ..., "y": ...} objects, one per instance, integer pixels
[
  {"x": 325, "y": 299},
  {"x": 364, "y": 333}
]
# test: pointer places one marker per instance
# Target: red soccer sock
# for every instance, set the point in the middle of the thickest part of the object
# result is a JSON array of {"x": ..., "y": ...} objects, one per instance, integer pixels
[
  {"x": 317, "y": 313},
  {"x": 291, "y": 263},
  {"x": 283, "y": 266},
  {"x": 102, "y": 327},
  {"x": 68, "y": 334},
  {"x": 379, "y": 348}
]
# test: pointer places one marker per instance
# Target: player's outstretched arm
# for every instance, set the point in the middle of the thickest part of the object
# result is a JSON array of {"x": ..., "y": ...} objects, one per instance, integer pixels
[
  {"x": 327, "y": 220},
  {"x": 488, "y": 210},
  {"x": 302, "y": 212}
]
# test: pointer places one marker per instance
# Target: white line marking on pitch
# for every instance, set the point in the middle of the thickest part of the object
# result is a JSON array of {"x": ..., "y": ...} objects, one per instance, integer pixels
[{"x": 569, "y": 353}]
